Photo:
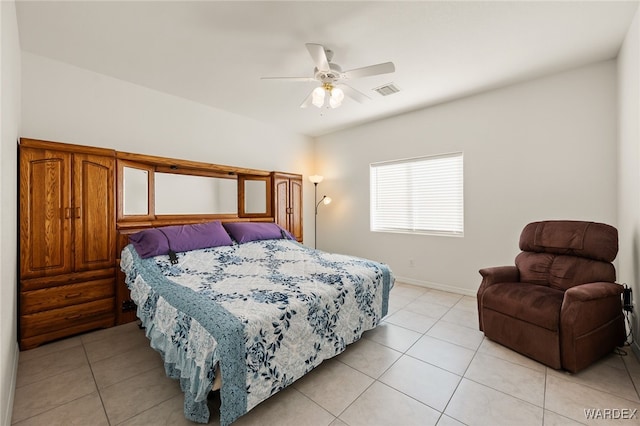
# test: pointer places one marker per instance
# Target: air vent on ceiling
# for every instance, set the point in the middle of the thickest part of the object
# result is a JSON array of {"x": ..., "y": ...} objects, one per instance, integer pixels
[{"x": 387, "y": 89}]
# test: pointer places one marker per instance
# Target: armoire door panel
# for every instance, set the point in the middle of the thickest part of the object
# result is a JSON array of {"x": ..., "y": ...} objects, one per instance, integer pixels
[
  {"x": 94, "y": 211},
  {"x": 45, "y": 216},
  {"x": 295, "y": 218},
  {"x": 287, "y": 202},
  {"x": 281, "y": 197}
]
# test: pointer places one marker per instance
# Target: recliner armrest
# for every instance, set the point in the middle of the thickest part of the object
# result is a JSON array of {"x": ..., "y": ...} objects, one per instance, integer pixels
[
  {"x": 499, "y": 274},
  {"x": 590, "y": 317},
  {"x": 592, "y": 291},
  {"x": 491, "y": 276}
]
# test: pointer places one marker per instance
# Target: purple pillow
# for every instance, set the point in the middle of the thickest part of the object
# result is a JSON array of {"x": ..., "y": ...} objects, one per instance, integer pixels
[
  {"x": 151, "y": 242},
  {"x": 243, "y": 232}
]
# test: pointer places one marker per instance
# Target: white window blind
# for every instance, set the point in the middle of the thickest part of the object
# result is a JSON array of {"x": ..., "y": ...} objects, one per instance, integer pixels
[{"x": 418, "y": 195}]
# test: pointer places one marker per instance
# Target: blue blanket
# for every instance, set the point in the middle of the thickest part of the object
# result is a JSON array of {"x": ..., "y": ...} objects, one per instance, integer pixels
[{"x": 263, "y": 313}]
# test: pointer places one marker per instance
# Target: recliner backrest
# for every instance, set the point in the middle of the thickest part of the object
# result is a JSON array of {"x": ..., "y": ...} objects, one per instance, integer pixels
[{"x": 562, "y": 254}]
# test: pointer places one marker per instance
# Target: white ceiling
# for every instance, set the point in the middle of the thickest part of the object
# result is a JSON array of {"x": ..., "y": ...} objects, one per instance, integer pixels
[{"x": 215, "y": 52}]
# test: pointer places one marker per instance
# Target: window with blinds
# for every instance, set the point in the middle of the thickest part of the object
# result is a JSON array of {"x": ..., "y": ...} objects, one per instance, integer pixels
[{"x": 419, "y": 195}]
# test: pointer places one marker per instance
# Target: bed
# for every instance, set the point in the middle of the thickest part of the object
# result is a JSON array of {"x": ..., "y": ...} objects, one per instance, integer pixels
[{"x": 255, "y": 312}]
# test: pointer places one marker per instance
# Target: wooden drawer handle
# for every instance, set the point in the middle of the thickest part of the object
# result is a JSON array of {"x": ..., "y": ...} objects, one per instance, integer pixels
[
  {"x": 73, "y": 317},
  {"x": 72, "y": 295}
]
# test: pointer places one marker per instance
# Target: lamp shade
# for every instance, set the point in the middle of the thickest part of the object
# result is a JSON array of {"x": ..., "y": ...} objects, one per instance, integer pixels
[{"x": 316, "y": 178}]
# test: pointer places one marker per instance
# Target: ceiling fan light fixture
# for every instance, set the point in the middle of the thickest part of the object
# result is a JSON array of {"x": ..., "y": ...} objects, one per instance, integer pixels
[
  {"x": 317, "y": 96},
  {"x": 337, "y": 96},
  {"x": 328, "y": 73}
]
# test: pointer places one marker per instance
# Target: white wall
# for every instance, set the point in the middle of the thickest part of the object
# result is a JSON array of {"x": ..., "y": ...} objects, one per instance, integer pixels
[
  {"x": 629, "y": 166},
  {"x": 544, "y": 149},
  {"x": 69, "y": 104},
  {"x": 64, "y": 103},
  {"x": 9, "y": 125}
]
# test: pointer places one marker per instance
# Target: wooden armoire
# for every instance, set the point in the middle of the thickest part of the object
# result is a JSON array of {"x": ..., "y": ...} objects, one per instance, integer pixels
[
  {"x": 287, "y": 199},
  {"x": 67, "y": 240}
]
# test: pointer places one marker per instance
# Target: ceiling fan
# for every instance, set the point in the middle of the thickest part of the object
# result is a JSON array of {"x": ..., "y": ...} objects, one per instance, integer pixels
[{"x": 330, "y": 76}]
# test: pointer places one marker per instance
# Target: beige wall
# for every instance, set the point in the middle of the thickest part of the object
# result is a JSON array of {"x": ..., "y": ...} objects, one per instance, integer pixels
[
  {"x": 544, "y": 149},
  {"x": 10, "y": 124},
  {"x": 629, "y": 166},
  {"x": 71, "y": 104}
]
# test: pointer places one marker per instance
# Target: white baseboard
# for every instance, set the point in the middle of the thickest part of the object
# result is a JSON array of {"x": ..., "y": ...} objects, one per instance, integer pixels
[
  {"x": 631, "y": 323},
  {"x": 635, "y": 346},
  {"x": 11, "y": 390},
  {"x": 437, "y": 286},
  {"x": 636, "y": 349}
]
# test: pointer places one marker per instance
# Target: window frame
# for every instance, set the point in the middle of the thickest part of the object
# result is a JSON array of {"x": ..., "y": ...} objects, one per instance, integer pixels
[{"x": 413, "y": 218}]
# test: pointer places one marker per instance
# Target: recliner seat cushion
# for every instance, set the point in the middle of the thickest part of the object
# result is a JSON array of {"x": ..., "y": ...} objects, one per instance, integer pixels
[{"x": 532, "y": 303}]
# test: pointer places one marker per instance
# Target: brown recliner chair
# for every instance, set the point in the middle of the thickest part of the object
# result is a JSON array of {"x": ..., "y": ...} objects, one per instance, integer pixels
[{"x": 560, "y": 304}]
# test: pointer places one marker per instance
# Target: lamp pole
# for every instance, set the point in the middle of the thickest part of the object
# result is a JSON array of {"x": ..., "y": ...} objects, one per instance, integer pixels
[
  {"x": 316, "y": 179},
  {"x": 315, "y": 218}
]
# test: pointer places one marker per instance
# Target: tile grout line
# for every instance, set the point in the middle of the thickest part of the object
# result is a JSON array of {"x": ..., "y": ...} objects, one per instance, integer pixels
[
  {"x": 595, "y": 388},
  {"x": 544, "y": 395},
  {"x": 544, "y": 400},
  {"x": 405, "y": 353},
  {"x": 52, "y": 376},
  {"x": 104, "y": 409},
  {"x": 441, "y": 413},
  {"x": 460, "y": 381},
  {"x": 626, "y": 367},
  {"x": 376, "y": 379}
]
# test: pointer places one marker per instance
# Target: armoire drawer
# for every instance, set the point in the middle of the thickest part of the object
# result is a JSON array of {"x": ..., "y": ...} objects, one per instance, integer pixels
[
  {"x": 65, "y": 295},
  {"x": 57, "y": 319}
]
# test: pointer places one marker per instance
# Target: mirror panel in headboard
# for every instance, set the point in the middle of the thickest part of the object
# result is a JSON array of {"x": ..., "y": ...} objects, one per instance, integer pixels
[
  {"x": 135, "y": 192},
  {"x": 135, "y": 200},
  {"x": 254, "y": 196},
  {"x": 186, "y": 194},
  {"x": 152, "y": 189}
]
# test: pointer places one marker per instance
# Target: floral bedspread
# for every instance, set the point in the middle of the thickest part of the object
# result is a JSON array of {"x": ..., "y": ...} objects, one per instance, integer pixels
[{"x": 264, "y": 313}]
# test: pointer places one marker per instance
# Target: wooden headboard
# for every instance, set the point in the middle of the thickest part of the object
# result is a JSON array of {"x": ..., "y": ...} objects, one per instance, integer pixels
[{"x": 282, "y": 195}]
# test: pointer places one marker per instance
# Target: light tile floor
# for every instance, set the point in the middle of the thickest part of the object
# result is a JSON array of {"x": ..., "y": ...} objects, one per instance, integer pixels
[{"x": 426, "y": 364}]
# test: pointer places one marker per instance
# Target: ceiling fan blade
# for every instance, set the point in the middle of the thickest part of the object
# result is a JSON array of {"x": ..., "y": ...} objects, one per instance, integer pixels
[
  {"x": 307, "y": 102},
  {"x": 383, "y": 68},
  {"x": 354, "y": 94},
  {"x": 319, "y": 56},
  {"x": 289, "y": 78}
]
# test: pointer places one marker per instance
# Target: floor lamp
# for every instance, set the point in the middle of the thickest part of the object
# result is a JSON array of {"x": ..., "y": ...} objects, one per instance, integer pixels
[{"x": 316, "y": 179}]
